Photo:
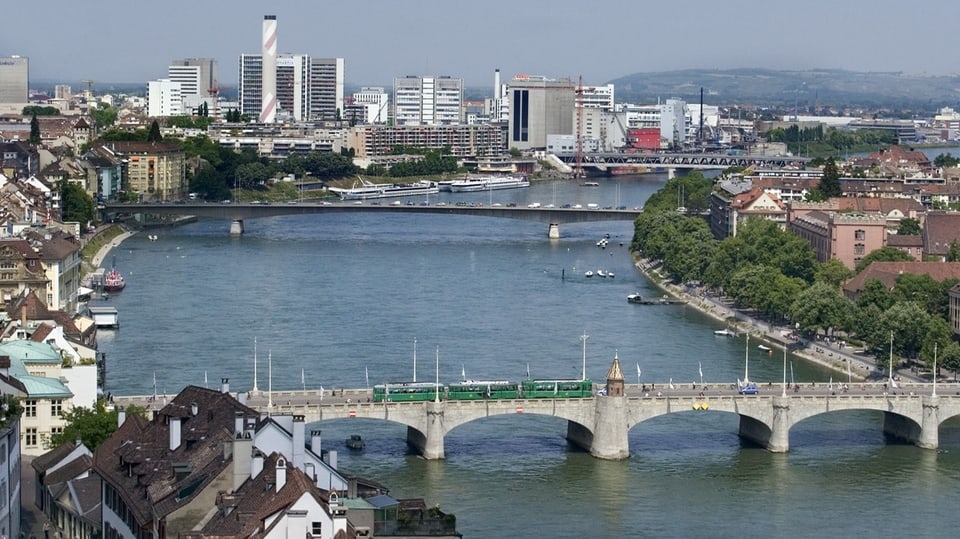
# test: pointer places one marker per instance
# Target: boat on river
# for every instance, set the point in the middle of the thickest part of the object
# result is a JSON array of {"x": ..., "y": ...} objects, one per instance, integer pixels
[
  {"x": 355, "y": 442},
  {"x": 489, "y": 182},
  {"x": 363, "y": 190},
  {"x": 113, "y": 281},
  {"x": 725, "y": 332},
  {"x": 665, "y": 300}
]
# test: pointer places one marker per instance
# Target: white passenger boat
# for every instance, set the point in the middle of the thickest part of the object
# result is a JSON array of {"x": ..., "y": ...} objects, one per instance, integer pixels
[
  {"x": 363, "y": 189},
  {"x": 489, "y": 182}
]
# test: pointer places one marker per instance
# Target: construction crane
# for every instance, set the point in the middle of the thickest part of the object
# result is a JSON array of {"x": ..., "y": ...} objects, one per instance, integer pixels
[
  {"x": 578, "y": 171},
  {"x": 89, "y": 84},
  {"x": 214, "y": 92}
]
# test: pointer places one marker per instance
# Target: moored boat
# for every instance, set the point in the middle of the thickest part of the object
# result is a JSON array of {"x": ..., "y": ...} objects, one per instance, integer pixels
[
  {"x": 355, "y": 442},
  {"x": 363, "y": 190},
  {"x": 488, "y": 182},
  {"x": 724, "y": 333},
  {"x": 113, "y": 281}
]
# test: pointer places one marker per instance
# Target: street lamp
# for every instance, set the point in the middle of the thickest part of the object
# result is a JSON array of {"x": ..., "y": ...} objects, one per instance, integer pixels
[{"x": 584, "y": 338}]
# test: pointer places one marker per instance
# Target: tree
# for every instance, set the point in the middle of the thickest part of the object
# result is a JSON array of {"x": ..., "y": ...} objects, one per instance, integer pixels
[
  {"x": 821, "y": 307},
  {"x": 76, "y": 204},
  {"x": 104, "y": 115},
  {"x": 945, "y": 160},
  {"x": 953, "y": 254},
  {"x": 92, "y": 426},
  {"x": 833, "y": 273},
  {"x": 154, "y": 134},
  {"x": 909, "y": 227},
  {"x": 34, "y": 130},
  {"x": 829, "y": 185}
]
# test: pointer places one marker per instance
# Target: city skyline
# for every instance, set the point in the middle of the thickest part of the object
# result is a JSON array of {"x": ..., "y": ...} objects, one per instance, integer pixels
[{"x": 385, "y": 40}]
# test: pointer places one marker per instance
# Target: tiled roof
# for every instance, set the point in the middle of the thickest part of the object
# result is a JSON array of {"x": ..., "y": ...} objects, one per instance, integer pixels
[
  {"x": 49, "y": 459},
  {"x": 138, "y": 462},
  {"x": 940, "y": 229},
  {"x": 257, "y": 499},
  {"x": 73, "y": 469},
  {"x": 887, "y": 273},
  {"x": 904, "y": 240}
]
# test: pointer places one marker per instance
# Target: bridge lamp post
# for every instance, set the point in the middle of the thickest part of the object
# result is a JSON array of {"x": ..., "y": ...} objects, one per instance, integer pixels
[
  {"x": 584, "y": 337},
  {"x": 784, "y": 372}
]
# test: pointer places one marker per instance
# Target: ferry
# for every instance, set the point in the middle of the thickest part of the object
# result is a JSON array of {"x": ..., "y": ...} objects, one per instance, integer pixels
[
  {"x": 489, "y": 182},
  {"x": 363, "y": 190}
]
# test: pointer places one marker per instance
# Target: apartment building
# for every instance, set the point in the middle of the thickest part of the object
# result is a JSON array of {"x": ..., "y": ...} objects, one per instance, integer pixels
[{"x": 427, "y": 100}]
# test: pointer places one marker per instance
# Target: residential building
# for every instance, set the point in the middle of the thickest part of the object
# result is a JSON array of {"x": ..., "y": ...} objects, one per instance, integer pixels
[
  {"x": 164, "y": 98},
  {"x": 18, "y": 159},
  {"x": 250, "y": 88},
  {"x": 10, "y": 485},
  {"x": 37, "y": 366},
  {"x": 162, "y": 477},
  {"x": 103, "y": 173},
  {"x": 370, "y": 141},
  {"x": 421, "y": 100},
  {"x": 847, "y": 237},
  {"x": 887, "y": 273},
  {"x": 954, "y": 294},
  {"x": 539, "y": 107},
  {"x": 66, "y": 492},
  {"x": 59, "y": 254},
  {"x": 728, "y": 211},
  {"x": 910, "y": 244},
  {"x": 21, "y": 269},
  {"x": 154, "y": 170},
  {"x": 14, "y": 79},
  {"x": 278, "y": 501},
  {"x": 941, "y": 230}
]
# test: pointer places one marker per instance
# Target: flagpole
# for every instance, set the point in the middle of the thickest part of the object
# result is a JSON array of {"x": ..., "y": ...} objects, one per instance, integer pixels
[
  {"x": 890, "y": 368},
  {"x": 638, "y": 373},
  {"x": 255, "y": 365},
  {"x": 785, "y": 372},
  {"x": 436, "y": 389},
  {"x": 303, "y": 381},
  {"x": 700, "y": 370},
  {"x": 270, "y": 380},
  {"x": 934, "y": 394},
  {"x": 414, "y": 359},
  {"x": 366, "y": 377},
  {"x": 584, "y": 338}
]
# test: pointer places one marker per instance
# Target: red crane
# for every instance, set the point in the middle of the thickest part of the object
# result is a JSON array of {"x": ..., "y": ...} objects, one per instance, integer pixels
[{"x": 214, "y": 92}]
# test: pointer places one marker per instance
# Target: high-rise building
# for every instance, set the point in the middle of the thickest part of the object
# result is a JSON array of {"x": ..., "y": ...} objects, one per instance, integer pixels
[
  {"x": 62, "y": 91},
  {"x": 164, "y": 98},
  {"x": 427, "y": 100},
  {"x": 14, "y": 79},
  {"x": 326, "y": 88},
  {"x": 371, "y": 105},
  {"x": 289, "y": 86},
  {"x": 539, "y": 107},
  {"x": 197, "y": 76}
]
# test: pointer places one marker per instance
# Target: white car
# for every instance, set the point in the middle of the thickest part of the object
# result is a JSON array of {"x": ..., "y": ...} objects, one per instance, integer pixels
[{"x": 533, "y": 205}]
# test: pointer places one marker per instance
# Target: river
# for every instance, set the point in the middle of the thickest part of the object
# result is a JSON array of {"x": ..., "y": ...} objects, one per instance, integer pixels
[{"x": 341, "y": 299}]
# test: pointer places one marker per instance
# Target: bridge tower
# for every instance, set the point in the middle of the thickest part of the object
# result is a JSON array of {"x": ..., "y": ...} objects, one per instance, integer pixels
[
  {"x": 608, "y": 438},
  {"x": 615, "y": 378}
]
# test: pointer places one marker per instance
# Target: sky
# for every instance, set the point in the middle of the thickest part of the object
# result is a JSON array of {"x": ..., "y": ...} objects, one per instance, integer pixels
[{"x": 135, "y": 41}]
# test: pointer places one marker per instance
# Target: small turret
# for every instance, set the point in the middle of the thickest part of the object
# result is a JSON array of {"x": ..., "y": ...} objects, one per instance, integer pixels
[{"x": 615, "y": 378}]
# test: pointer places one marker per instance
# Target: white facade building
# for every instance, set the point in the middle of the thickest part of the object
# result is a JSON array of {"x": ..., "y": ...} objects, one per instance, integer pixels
[
  {"x": 597, "y": 97},
  {"x": 673, "y": 124},
  {"x": 372, "y": 105},
  {"x": 427, "y": 100},
  {"x": 306, "y": 88},
  {"x": 164, "y": 98}
]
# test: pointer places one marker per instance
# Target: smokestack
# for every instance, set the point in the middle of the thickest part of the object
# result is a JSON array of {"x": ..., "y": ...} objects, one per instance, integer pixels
[
  {"x": 700, "y": 133},
  {"x": 496, "y": 84},
  {"x": 268, "y": 106},
  {"x": 174, "y": 433}
]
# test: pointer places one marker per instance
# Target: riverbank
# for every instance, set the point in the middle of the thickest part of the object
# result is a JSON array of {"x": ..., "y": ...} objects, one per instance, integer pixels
[{"x": 832, "y": 355}]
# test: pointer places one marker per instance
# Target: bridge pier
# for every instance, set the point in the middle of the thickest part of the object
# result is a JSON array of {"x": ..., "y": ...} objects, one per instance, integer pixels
[
  {"x": 755, "y": 431},
  {"x": 554, "y": 231},
  {"x": 930, "y": 429},
  {"x": 236, "y": 227},
  {"x": 779, "y": 441},
  {"x": 430, "y": 443},
  {"x": 609, "y": 439}
]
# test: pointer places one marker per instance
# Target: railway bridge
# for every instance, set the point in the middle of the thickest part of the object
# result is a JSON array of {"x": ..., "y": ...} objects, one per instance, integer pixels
[{"x": 601, "y": 424}]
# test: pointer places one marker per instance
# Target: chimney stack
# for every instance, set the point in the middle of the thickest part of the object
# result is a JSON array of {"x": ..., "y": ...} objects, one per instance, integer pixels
[
  {"x": 121, "y": 417},
  {"x": 224, "y": 385},
  {"x": 256, "y": 465},
  {"x": 315, "y": 442},
  {"x": 299, "y": 443},
  {"x": 281, "y": 473}
]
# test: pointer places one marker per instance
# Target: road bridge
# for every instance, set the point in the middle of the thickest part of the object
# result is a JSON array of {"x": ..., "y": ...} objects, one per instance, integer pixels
[
  {"x": 237, "y": 214},
  {"x": 600, "y": 424},
  {"x": 604, "y": 161}
]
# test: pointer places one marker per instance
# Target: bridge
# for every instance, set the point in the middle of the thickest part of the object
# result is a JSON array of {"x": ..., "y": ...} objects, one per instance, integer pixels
[
  {"x": 604, "y": 161},
  {"x": 238, "y": 213},
  {"x": 600, "y": 424}
]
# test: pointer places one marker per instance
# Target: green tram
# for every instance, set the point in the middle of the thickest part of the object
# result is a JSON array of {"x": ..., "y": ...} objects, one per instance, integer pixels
[
  {"x": 557, "y": 389},
  {"x": 479, "y": 389},
  {"x": 407, "y": 391}
]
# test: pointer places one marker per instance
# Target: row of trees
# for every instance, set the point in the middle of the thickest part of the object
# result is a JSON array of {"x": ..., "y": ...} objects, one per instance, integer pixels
[
  {"x": 776, "y": 273},
  {"x": 814, "y": 140}
]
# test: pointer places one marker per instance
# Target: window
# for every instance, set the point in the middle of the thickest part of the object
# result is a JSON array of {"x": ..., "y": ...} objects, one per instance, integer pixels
[
  {"x": 30, "y": 437},
  {"x": 860, "y": 234},
  {"x": 30, "y": 408},
  {"x": 317, "y": 528},
  {"x": 56, "y": 408},
  {"x": 858, "y": 249}
]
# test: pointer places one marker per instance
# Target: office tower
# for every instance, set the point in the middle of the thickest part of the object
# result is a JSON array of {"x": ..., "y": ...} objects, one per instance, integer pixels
[
  {"x": 164, "y": 98},
  {"x": 197, "y": 76},
  {"x": 14, "y": 79},
  {"x": 539, "y": 107},
  {"x": 326, "y": 88},
  {"x": 268, "y": 107},
  {"x": 427, "y": 100}
]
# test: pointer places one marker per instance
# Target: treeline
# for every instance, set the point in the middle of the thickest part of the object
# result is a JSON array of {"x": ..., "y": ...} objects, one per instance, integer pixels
[
  {"x": 819, "y": 141},
  {"x": 433, "y": 163},
  {"x": 776, "y": 273}
]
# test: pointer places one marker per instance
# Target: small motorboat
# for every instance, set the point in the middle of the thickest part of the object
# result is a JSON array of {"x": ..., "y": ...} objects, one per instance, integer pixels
[
  {"x": 588, "y": 274},
  {"x": 724, "y": 333},
  {"x": 610, "y": 274},
  {"x": 601, "y": 273},
  {"x": 764, "y": 347},
  {"x": 355, "y": 442}
]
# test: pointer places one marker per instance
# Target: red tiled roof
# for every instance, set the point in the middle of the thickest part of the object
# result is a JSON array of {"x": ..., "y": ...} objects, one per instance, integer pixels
[
  {"x": 940, "y": 230},
  {"x": 887, "y": 273}
]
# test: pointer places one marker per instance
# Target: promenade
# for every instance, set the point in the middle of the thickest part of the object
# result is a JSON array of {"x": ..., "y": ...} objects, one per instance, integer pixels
[{"x": 830, "y": 354}]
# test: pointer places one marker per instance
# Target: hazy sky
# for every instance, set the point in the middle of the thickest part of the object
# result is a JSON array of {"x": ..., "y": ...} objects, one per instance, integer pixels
[{"x": 134, "y": 41}]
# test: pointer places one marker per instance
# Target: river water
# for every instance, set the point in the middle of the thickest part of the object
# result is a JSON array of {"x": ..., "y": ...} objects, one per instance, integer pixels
[{"x": 341, "y": 299}]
